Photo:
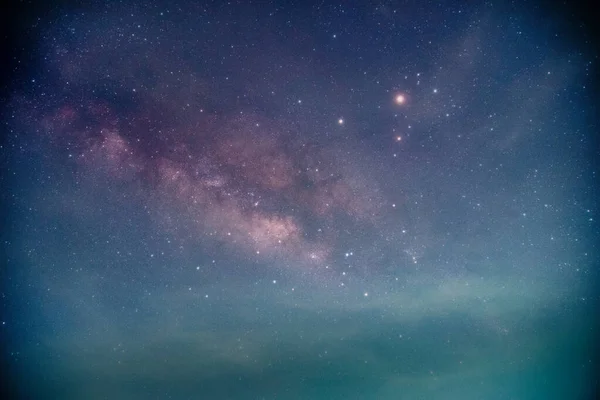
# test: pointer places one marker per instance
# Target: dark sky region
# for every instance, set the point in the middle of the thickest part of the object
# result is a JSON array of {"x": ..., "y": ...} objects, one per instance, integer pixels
[{"x": 299, "y": 200}]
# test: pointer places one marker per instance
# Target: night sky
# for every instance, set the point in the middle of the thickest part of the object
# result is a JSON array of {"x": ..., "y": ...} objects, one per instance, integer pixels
[{"x": 298, "y": 200}]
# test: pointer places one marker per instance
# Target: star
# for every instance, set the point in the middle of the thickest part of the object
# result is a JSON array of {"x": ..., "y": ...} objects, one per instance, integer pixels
[{"x": 400, "y": 99}]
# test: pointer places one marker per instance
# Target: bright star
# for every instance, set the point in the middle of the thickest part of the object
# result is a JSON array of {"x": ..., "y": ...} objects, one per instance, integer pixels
[{"x": 400, "y": 99}]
